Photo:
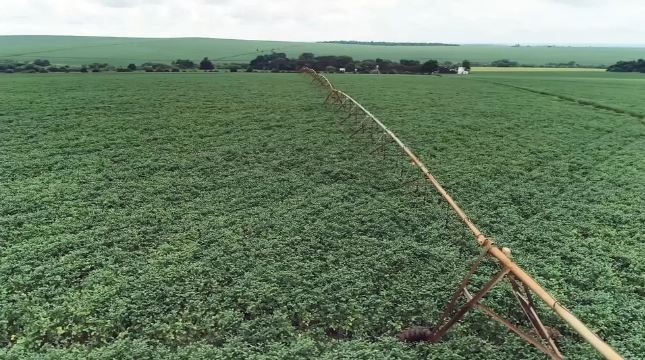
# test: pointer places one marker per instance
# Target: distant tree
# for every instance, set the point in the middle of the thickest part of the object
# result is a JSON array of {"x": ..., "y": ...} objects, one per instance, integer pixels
[
  {"x": 185, "y": 64},
  {"x": 42, "y": 62},
  {"x": 365, "y": 66},
  {"x": 306, "y": 56},
  {"x": 430, "y": 66},
  {"x": 628, "y": 66},
  {"x": 466, "y": 64},
  {"x": 206, "y": 64},
  {"x": 132, "y": 67},
  {"x": 83, "y": 69},
  {"x": 273, "y": 61}
]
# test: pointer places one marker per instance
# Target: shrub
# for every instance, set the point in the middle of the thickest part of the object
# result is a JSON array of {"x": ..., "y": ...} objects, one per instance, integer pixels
[{"x": 132, "y": 67}]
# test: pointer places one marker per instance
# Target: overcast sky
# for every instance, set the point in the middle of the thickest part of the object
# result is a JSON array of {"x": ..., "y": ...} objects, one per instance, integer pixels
[{"x": 466, "y": 21}]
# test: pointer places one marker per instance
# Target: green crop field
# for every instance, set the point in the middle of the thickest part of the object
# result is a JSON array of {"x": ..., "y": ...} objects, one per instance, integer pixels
[
  {"x": 122, "y": 51},
  {"x": 620, "y": 91},
  {"x": 231, "y": 215}
]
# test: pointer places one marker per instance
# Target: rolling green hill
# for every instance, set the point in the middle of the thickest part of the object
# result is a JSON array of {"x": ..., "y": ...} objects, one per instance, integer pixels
[{"x": 122, "y": 51}]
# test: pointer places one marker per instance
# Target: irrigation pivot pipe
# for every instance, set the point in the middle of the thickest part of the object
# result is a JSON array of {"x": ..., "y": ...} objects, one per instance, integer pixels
[{"x": 594, "y": 340}]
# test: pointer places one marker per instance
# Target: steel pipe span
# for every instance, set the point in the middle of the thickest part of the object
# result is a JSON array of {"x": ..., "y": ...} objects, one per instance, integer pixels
[{"x": 594, "y": 340}]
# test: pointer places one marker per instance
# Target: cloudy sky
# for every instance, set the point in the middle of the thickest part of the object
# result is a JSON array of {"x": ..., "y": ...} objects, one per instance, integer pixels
[{"x": 466, "y": 21}]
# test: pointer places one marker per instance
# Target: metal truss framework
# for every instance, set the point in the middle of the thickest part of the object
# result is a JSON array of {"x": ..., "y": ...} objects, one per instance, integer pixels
[{"x": 523, "y": 286}]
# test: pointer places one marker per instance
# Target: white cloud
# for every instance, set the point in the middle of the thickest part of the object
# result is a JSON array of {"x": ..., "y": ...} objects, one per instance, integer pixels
[{"x": 467, "y": 21}]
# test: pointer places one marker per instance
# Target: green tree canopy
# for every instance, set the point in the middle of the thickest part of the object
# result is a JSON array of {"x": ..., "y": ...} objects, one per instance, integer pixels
[{"x": 206, "y": 64}]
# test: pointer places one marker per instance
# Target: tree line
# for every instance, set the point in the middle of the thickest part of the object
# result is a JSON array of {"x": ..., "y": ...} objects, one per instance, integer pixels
[
  {"x": 280, "y": 62},
  {"x": 45, "y": 66},
  {"x": 277, "y": 62}
]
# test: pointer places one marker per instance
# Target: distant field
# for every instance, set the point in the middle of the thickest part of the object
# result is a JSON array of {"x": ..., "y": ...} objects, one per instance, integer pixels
[
  {"x": 122, "y": 51},
  {"x": 229, "y": 216},
  {"x": 478, "y": 69},
  {"x": 622, "y": 92}
]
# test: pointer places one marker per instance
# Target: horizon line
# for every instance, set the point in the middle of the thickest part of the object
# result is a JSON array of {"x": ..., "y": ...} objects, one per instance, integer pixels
[{"x": 526, "y": 44}]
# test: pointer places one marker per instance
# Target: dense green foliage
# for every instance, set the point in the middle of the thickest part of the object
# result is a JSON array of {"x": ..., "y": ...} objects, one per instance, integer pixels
[
  {"x": 628, "y": 66},
  {"x": 559, "y": 182},
  {"x": 184, "y": 64},
  {"x": 122, "y": 51},
  {"x": 228, "y": 216},
  {"x": 332, "y": 63},
  {"x": 206, "y": 64},
  {"x": 430, "y": 66}
]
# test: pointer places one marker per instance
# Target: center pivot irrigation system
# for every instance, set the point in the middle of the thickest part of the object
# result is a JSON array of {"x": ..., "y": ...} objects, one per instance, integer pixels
[{"x": 524, "y": 287}]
